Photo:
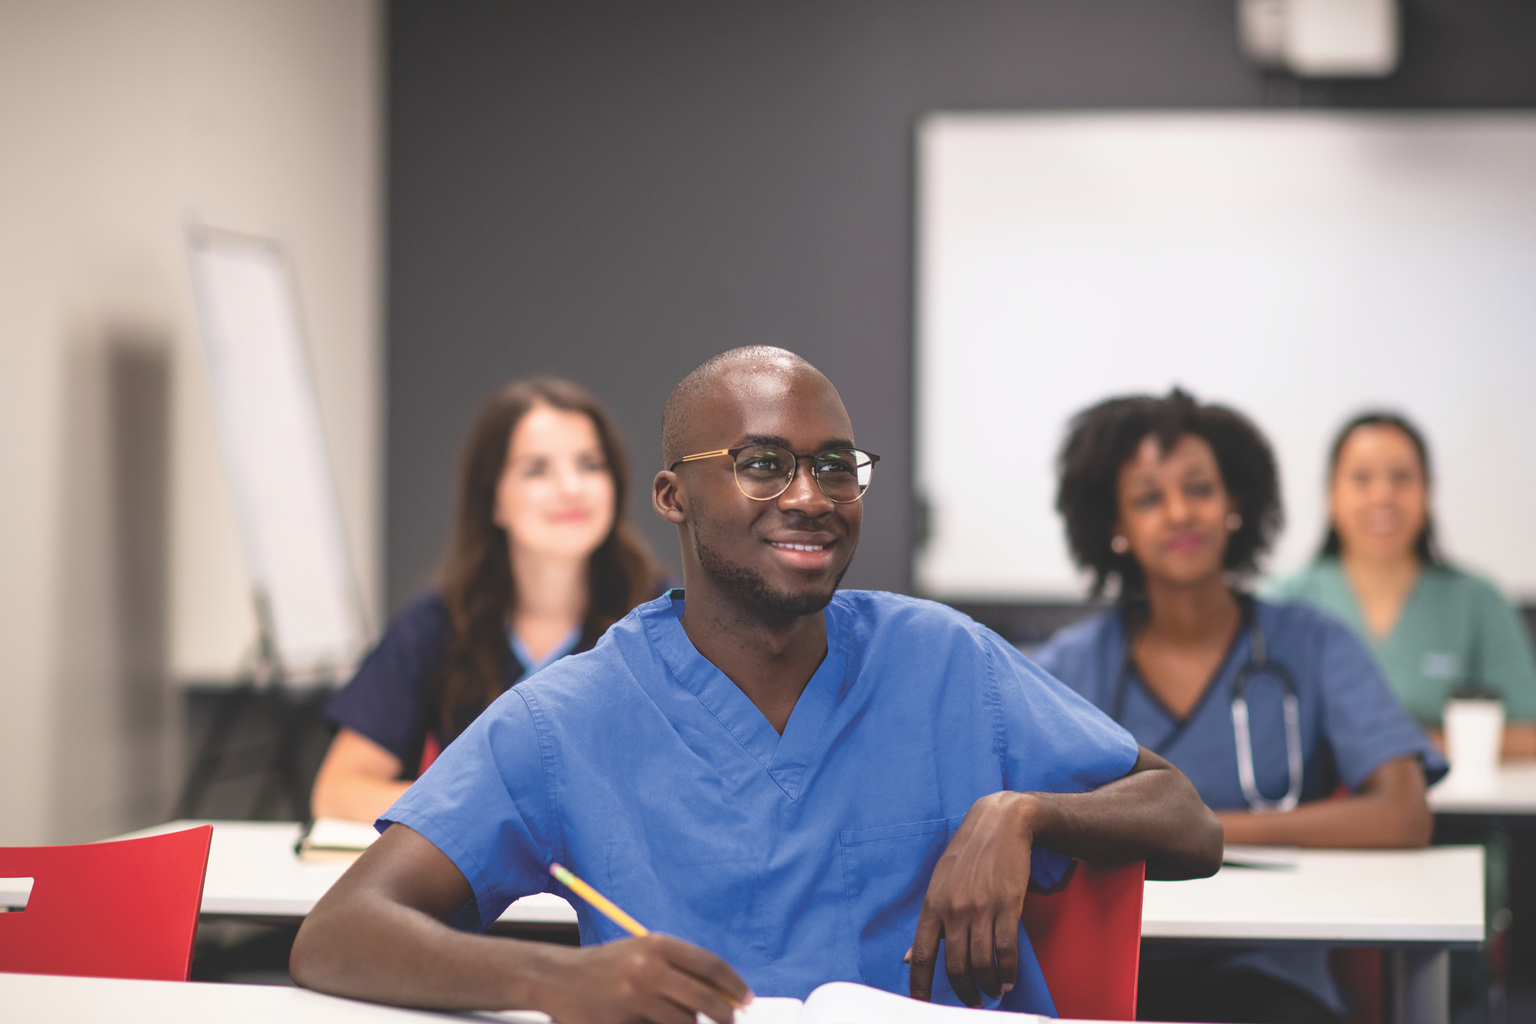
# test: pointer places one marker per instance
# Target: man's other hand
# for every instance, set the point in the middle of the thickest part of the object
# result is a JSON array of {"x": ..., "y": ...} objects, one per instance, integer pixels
[{"x": 975, "y": 900}]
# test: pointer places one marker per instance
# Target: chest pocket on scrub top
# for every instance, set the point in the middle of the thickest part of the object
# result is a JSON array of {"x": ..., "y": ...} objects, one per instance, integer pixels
[
  {"x": 688, "y": 889},
  {"x": 886, "y": 872}
]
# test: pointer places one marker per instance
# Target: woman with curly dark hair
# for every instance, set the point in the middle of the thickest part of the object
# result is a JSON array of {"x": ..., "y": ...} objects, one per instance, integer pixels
[
  {"x": 1267, "y": 708},
  {"x": 541, "y": 562}
]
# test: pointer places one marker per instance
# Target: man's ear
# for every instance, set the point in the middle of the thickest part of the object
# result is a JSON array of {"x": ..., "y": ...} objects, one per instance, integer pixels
[{"x": 667, "y": 497}]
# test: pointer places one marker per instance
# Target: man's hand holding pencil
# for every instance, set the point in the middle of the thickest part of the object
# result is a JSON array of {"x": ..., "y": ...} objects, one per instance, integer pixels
[{"x": 654, "y": 978}]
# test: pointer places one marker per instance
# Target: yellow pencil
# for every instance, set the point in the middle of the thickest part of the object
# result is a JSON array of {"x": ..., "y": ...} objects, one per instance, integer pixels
[
  {"x": 598, "y": 900},
  {"x": 610, "y": 909}
]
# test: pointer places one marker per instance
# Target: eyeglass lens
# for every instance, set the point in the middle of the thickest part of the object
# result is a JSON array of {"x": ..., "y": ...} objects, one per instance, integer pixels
[{"x": 764, "y": 472}]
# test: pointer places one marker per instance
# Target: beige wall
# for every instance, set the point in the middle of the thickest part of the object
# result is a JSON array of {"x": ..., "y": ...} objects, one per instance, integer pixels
[{"x": 118, "y": 122}]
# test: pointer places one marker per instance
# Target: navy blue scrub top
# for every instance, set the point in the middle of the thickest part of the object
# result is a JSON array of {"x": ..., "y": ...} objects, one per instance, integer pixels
[
  {"x": 800, "y": 859},
  {"x": 1351, "y": 724},
  {"x": 389, "y": 699}
]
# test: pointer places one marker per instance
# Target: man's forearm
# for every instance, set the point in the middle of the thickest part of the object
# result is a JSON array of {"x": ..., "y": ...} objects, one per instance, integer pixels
[
  {"x": 385, "y": 952},
  {"x": 1152, "y": 814}
]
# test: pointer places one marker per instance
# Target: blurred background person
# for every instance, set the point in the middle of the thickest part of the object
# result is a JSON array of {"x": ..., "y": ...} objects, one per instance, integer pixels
[
  {"x": 1435, "y": 629},
  {"x": 541, "y": 562},
  {"x": 1267, "y": 708}
]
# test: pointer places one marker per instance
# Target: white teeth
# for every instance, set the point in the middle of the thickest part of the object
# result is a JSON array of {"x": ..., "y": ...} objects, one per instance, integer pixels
[{"x": 799, "y": 547}]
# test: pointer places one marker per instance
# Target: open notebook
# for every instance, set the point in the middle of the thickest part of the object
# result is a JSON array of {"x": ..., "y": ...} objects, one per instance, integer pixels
[
  {"x": 843, "y": 1002},
  {"x": 837, "y": 1002},
  {"x": 329, "y": 839}
]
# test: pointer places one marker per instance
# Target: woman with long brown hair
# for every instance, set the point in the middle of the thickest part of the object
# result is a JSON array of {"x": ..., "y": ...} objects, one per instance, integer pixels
[{"x": 542, "y": 561}]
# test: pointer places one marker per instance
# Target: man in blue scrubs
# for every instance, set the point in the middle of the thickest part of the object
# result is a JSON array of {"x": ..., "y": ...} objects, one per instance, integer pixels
[{"x": 789, "y": 785}]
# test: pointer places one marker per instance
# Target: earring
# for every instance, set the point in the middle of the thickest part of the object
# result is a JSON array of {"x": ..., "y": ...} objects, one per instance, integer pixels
[
  {"x": 1119, "y": 545},
  {"x": 1234, "y": 522}
]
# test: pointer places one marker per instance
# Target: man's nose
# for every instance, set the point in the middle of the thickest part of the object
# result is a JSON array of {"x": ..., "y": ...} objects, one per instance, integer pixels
[{"x": 804, "y": 493}]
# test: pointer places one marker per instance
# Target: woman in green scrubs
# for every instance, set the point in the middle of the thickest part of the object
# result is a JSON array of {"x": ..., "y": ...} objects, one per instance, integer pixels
[{"x": 1433, "y": 628}]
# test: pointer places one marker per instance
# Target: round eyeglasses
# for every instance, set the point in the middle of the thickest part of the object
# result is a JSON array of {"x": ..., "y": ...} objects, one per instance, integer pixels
[{"x": 765, "y": 471}]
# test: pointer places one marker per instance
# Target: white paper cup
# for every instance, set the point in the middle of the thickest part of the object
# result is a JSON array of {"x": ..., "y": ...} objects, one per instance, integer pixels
[{"x": 1474, "y": 731}]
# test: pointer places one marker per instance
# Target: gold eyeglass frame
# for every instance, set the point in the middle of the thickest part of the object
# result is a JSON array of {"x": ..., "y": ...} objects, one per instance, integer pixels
[{"x": 733, "y": 452}]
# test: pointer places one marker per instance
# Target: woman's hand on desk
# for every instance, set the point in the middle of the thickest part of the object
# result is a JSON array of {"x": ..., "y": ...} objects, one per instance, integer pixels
[{"x": 1388, "y": 812}]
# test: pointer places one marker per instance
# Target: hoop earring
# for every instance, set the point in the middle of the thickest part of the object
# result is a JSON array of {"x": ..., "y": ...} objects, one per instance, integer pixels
[
  {"x": 1234, "y": 522},
  {"x": 1119, "y": 545}
]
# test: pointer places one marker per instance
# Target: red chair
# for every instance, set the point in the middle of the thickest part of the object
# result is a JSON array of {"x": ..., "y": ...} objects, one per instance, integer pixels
[
  {"x": 1087, "y": 937},
  {"x": 125, "y": 909}
]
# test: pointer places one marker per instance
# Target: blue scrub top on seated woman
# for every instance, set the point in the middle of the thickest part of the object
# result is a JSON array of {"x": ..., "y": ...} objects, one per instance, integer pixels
[
  {"x": 1351, "y": 724},
  {"x": 800, "y": 859}
]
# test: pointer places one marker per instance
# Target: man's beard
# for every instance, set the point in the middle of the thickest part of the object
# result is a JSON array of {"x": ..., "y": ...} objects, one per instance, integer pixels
[{"x": 750, "y": 586}]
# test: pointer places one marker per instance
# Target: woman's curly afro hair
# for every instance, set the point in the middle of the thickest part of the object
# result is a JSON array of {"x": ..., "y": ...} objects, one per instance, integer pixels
[{"x": 1103, "y": 438}]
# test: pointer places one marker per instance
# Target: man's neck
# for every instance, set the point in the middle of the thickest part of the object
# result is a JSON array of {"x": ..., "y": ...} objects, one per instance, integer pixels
[{"x": 770, "y": 659}]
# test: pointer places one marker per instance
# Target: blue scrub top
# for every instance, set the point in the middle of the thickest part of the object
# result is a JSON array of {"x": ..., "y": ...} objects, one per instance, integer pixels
[
  {"x": 800, "y": 859},
  {"x": 1351, "y": 724}
]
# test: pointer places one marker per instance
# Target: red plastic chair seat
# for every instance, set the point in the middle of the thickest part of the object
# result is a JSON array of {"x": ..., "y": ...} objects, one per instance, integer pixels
[
  {"x": 125, "y": 909},
  {"x": 1087, "y": 938}
]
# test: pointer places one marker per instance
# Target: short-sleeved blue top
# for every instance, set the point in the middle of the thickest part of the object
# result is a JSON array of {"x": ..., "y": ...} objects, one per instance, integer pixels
[
  {"x": 1351, "y": 724},
  {"x": 800, "y": 859}
]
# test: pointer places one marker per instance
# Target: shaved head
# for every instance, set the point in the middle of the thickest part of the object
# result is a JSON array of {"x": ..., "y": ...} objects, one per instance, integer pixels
[
  {"x": 772, "y": 560},
  {"x": 727, "y": 375}
]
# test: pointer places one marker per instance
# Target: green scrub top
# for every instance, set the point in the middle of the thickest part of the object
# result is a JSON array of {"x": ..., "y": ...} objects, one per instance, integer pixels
[{"x": 1455, "y": 630}]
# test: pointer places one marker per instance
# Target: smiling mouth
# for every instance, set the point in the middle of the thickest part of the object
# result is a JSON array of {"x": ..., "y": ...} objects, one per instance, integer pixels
[{"x": 798, "y": 547}]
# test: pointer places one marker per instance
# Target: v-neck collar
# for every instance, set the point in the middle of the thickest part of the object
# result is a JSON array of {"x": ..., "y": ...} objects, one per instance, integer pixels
[
  {"x": 1177, "y": 725},
  {"x": 1357, "y": 613},
  {"x": 786, "y": 758}
]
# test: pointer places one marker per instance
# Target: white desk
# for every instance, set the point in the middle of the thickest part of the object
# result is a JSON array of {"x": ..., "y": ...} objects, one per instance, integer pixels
[
  {"x": 254, "y": 873},
  {"x": 46, "y": 997},
  {"x": 1418, "y": 904},
  {"x": 1363, "y": 897},
  {"x": 25, "y": 998},
  {"x": 1513, "y": 792}
]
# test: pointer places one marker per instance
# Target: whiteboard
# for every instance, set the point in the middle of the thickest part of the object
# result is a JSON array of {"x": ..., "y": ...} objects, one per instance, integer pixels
[
  {"x": 1299, "y": 266},
  {"x": 274, "y": 449}
]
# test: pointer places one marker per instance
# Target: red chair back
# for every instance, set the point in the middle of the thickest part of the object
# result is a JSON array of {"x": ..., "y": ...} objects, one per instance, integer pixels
[
  {"x": 429, "y": 752},
  {"x": 1087, "y": 937},
  {"x": 125, "y": 909}
]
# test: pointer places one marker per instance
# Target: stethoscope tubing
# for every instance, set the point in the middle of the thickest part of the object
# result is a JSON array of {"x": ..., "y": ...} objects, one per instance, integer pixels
[{"x": 1259, "y": 663}]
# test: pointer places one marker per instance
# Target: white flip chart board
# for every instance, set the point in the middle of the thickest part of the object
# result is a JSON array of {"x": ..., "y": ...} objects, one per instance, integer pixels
[
  {"x": 1300, "y": 266},
  {"x": 274, "y": 448}
]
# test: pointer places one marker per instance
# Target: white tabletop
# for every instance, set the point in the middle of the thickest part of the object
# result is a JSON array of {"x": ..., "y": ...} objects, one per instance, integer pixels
[
  {"x": 1512, "y": 791},
  {"x": 1380, "y": 897},
  {"x": 49, "y": 997},
  {"x": 1432, "y": 896},
  {"x": 253, "y": 872}
]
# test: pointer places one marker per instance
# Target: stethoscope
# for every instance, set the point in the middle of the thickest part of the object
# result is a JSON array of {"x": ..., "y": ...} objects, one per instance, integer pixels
[{"x": 1259, "y": 664}]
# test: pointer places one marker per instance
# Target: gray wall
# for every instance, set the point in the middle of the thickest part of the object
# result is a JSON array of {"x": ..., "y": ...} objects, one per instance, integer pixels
[{"x": 615, "y": 191}]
